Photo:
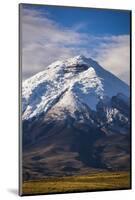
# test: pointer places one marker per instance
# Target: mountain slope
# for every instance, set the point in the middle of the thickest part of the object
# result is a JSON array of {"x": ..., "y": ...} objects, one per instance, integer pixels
[
  {"x": 84, "y": 78},
  {"x": 76, "y": 120}
]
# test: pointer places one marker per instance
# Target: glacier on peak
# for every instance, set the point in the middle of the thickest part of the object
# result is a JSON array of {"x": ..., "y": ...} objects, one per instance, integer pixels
[{"x": 65, "y": 82}]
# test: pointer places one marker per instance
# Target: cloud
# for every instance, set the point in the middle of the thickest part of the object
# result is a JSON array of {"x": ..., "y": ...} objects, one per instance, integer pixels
[
  {"x": 45, "y": 41},
  {"x": 114, "y": 54}
]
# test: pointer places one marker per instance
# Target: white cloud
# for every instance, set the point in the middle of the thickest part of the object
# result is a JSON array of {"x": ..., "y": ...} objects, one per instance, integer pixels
[
  {"x": 115, "y": 56},
  {"x": 44, "y": 41}
]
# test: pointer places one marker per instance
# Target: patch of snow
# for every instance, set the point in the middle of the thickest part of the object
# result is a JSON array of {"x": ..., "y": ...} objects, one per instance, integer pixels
[{"x": 57, "y": 86}]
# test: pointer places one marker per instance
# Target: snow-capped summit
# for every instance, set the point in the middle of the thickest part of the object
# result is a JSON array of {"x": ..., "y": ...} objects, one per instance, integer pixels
[{"x": 69, "y": 84}]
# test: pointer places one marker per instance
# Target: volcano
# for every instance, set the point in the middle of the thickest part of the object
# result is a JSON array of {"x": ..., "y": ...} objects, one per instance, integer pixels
[{"x": 75, "y": 120}]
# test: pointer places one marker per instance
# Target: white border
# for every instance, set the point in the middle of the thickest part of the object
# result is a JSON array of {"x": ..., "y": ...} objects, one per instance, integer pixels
[{"x": 9, "y": 98}]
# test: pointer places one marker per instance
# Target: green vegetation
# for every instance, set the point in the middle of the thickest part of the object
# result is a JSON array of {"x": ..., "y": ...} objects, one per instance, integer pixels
[{"x": 89, "y": 182}]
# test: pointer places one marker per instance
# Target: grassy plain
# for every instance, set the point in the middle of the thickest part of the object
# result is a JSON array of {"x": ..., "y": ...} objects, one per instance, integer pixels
[{"x": 89, "y": 182}]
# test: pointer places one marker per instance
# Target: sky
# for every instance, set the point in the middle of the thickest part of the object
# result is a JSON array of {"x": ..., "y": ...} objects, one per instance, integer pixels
[{"x": 51, "y": 33}]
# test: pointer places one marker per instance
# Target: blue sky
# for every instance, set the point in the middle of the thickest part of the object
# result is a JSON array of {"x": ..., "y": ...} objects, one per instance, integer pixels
[
  {"x": 53, "y": 33},
  {"x": 97, "y": 21}
]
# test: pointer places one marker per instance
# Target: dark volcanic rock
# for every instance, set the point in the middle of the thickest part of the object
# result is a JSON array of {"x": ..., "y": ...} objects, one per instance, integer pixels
[{"x": 69, "y": 147}]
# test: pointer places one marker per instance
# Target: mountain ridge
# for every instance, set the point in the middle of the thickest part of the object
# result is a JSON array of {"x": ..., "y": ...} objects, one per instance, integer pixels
[
  {"x": 85, "y": 78},
  {"x": 76, "y": 120}
]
